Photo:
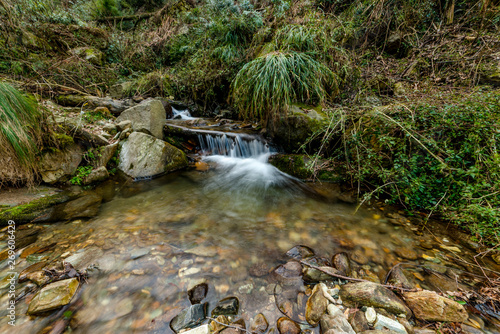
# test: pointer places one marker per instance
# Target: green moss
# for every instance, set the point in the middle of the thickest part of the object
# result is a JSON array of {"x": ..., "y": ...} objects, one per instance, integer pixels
[
  {"x": 63, "y": 140},
  {"x": 292, "y": 164},
  {"x": 26, "y": 213}
]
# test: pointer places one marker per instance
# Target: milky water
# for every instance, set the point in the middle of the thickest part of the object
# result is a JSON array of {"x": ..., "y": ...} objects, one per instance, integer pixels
[
  {"x": 228, "y": 227},
  {"x": 182, "y": 114}
]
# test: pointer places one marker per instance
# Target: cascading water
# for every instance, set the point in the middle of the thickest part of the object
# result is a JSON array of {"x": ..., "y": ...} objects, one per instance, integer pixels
[{"x": 182, "y": 114}]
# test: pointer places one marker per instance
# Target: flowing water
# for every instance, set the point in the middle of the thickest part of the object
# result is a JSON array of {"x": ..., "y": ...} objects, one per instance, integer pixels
[{"x": 228, "y": 227}]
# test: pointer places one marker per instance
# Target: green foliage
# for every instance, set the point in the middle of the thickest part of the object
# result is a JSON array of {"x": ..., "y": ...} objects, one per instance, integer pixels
[
  {"x": 81, "y": 173},
  {"x": 267, "y": 86},
  {"x": 438, "y": 158},
  {"x": 103, "y": 8},
  {"x": 157, "y": 83},
  {"x": 19, "y": 123}
]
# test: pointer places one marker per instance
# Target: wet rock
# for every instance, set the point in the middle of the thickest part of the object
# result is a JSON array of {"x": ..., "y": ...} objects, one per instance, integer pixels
[
  {"x": 198, "y": 293},
  {"x": 60, "y": 165},
  {"x": 148, "y": 117},
  {"x": 86, "y": 206},
  {"x": 144, "y": 156},
  {"x": 314, "y": 275},
  {"x": 189, "y": 317},
  {"x": 335, "y": 321},
  {"x": 138, "y": 253},
  {"x": 358, "y": 321},
  {"x": 287, "y": 326},
  {"x": 259, "y": 324},
  {"x": 385, "y": 322},
  {"x": 53, "y": 296},
  {"x": 406, "y": 253},
  {"x": 227, "y": 306},
  {"x": 289, "y": 274},
  {"x": 398, "y": 278},
  {"x": 97, "y": 175},
  {"x": 378, "y": 331},
  {"x": 300, "y": 252},
  {"x": 429, "y": 306},
  {"x": 246, "y": 289},
  {"x": 342, "y": 263},
  {"x": 84, "y": 258},
  {"x": 372, "y": 294},
  {"x": 205, "y": 251},
  {"x": 234, "y": 329},
  {"x": 359, "y": 257},
  {"x": 316, "y": 305},
  {"x": 219, "y": 325}
]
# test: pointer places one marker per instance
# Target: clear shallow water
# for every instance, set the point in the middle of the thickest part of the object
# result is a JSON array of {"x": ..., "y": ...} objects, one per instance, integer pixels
[{"x": 227, "y": 227}]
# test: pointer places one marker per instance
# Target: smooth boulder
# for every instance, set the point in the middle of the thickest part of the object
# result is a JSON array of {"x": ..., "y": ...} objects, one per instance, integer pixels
[
  {"x": 143, "y": 155},
  {"x": 148, "y": 117},
  {"x": 53, "y": 296}
]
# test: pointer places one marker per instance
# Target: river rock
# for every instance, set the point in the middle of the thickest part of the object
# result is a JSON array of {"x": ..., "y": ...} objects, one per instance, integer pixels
[
  {"x": 189, "y": 317},
  {"x": 198, "y": 293},
  {"x": 358, "y": 321},
  {"x": 53, "y": 296},
  {"x": 398, "y": 278},
  {"x": 96, "y": 175},
  {"x": 60, "y": 165},
  {"x": 378, "y": 331},
  {"x": 429, "y": 306},
  {"x": 372, "y": 294},
  {"x": 316, "y": 305},
  {"x": 259, "y": 324},
  {"x": 289, "y": 274},
  {"x": 300, "y": 252},
  {"x": 86, "y": 206},
  {"x": 148, "y": 116},
  {"x": 222, "y": 320},
  {"x": 85, "y": 257},
  {"x": 342, "y": 263},
  {"x": 287, "y": 326},
  {"x": 384, "y": 322},
  {"x": 115, "y": 106},
  {"x": 370, "y": 315},
  {"x": 314, "y": 275},
  {"x": 143, "y": 155},
  {"x": 203, "y": 329},
  {"x": 335, "y": 322},
  {"x": 406, "y": 253},
  {"x": 227, "y": 306}
]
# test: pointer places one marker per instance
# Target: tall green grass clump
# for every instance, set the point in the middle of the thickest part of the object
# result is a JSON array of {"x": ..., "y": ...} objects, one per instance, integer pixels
[
  {"x": 266, "y": 87},
  {"x": 20, "y": 128}
]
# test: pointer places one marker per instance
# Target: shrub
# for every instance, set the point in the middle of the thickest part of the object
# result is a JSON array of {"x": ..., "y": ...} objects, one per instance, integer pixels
[{"x": 265, "y": 87}]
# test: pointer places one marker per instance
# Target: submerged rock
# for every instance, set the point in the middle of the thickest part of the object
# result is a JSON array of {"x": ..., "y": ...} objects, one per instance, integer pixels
[
  {"x": 259, "y": 324},
  {"x": 287, "y": 326},
  {"x": 148, "y": 116},
  {"x": 53, "y": 296},
  {"x": 300, "y": 252},
  {"x": 289, "y": 274},
  {"x": 227, "y": 306},
  {"x": 342, "y": 263},
  {"x": 143, "y": 155},
  {"x": 83, "y": 207},
  {"x": 198, "y": 293},
  {"x": 429, "y": 306},
  {"x": 189, "y": 317},
  {"x": 372, "y": 294}
]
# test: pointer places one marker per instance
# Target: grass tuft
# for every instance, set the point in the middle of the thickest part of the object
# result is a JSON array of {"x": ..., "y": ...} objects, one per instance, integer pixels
[{"x": 266, "y": 87}]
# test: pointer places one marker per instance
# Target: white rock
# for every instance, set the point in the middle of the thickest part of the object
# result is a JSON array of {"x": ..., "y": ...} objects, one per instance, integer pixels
[
  {"x": 204, "y": 329},
  {"x": 188, "y": 271},
  {"x": 371, "y": 315},
  {"x": 385, "y": 322}
]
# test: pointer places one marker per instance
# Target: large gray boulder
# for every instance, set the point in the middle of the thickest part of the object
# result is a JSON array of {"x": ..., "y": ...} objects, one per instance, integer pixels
[
  {"x": 143, "y": 155},
  {"x": 148, "y": 117},
  {"x": 60, "y": 165}
]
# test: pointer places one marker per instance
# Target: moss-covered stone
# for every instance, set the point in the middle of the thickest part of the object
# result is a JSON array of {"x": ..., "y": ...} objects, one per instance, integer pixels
[
  {"x": 33, "y": 210},
  {"x": 72, "y": 100},
  {"x": 63, "y": 140},
  {"x": 292, "y": 164}
]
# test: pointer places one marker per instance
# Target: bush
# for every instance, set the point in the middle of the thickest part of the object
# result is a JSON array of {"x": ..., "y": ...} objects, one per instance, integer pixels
[{"x": 267, "y": 86}]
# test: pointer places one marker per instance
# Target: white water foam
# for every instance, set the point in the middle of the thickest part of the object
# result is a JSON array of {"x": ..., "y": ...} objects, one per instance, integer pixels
[{"x": 182, "y": 114}]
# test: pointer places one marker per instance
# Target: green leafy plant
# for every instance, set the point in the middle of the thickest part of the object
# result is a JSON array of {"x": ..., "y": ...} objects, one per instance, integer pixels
[
  {"x": 267, "y": 86},
  {"x": 81, "y": 173}
]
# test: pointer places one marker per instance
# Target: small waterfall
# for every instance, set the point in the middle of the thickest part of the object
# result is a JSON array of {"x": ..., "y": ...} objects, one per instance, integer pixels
[
  {"x": 181, "y": 114},
  {"x": 234, "y": 146}
]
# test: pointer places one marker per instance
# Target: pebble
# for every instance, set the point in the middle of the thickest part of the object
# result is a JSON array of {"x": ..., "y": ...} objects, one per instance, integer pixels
[
  {"x": 371, "y": 315},
  {"x": 188, "y": 271}
]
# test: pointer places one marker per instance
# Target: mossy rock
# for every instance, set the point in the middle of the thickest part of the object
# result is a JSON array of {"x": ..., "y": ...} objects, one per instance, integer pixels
[
  {"x": 292, "y": 164},
  {"x": 293, "y": 130},
  {"x": 63, "y": 140},
  {"x": 72, "y": 100},
  {"x": 34, "y": 210}
]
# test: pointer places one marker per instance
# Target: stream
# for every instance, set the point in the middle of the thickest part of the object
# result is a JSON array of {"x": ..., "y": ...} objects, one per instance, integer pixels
[{"x": 228, "y": 225}]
